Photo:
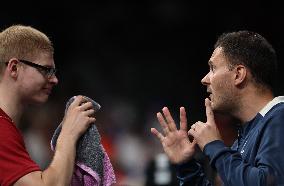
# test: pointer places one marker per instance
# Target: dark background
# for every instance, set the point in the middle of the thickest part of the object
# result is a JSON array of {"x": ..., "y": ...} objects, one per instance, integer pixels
[{"x": 145, "y": 54}]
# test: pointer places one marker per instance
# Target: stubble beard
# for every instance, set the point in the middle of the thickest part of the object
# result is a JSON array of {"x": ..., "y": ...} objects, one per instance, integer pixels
[{"x": 223, "y": 104}]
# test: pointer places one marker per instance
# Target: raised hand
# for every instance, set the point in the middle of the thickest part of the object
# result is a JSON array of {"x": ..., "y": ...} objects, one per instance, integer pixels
[
  {"x": 175, "y": 142},
  {"x": 204, "y": 133}
]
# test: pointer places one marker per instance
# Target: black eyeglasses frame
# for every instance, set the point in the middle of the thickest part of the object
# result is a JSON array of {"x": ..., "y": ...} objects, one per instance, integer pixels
[{"x": 48, "y": 71}]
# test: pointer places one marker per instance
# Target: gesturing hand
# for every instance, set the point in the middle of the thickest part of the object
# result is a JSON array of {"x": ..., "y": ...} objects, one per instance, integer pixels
[
  {"x": 204, "y": 133},
  {"x": 175, "y": 142}
]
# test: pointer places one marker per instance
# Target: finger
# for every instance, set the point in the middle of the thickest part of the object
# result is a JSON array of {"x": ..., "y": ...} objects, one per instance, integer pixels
[
  {"x": 86, "y": 106},
  {"x": 169, "y": 119},
  {"x": 192, "y": 127},
  {"x": 183, "y": 119},
  {"x": 198, "y": 124},
  {"x": 209, "y": 112},
  {"x": 193, "y": 142},
  {"x": 78, "y": 100},
  {"x": 163, "y": 123},
  {"x": 157, "y": 133},
  {"x": 90, "y": 112},
  {"x": 92, "y": 120},
  {"x": 192, "y": 133}
]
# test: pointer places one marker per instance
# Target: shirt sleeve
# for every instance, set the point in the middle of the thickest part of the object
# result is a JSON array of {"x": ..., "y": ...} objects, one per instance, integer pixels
[{"x": 15, "y": 161}]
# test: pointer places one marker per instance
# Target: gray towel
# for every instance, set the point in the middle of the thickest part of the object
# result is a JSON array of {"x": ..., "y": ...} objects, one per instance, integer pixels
[{"x": 92, "y": 164}]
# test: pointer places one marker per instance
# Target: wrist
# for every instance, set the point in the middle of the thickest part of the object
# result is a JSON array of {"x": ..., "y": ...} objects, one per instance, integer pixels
[{"x": 66, "y": 141}]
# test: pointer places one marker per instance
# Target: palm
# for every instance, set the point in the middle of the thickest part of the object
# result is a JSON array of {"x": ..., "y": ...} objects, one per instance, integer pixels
[
  {"x": 175, "y": 142},
  {"x": 178, "y": 147}
]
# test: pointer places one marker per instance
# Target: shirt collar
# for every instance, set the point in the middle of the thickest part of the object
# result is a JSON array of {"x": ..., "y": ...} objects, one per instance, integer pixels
[
  {"x": 271, "y": 104},
  {"x": 244, "y": 129}
]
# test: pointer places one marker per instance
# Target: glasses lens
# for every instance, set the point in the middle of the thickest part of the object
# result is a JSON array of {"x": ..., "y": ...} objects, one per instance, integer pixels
[
  {"x": 51, "y": 72},
  {"x": 48, "y": 71}
]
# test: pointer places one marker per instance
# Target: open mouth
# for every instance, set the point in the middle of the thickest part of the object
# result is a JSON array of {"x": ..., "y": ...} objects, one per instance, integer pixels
[
  {"x": 210, "y": 97},
  {"x": 210, "y": 94}
]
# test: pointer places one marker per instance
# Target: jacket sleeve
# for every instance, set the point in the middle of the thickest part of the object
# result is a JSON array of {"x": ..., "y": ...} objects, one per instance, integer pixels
[
  {"x": 191, "y": 174},
  {"x": 265, "y": 167},
  {"x": 268, "y": 164}
]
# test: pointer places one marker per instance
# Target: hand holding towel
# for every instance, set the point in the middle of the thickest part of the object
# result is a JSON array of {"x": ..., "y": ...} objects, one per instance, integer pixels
[{"x": 92, "y": 164}]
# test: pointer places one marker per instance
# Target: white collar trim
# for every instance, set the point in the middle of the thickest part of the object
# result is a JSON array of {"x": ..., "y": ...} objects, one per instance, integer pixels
[{"x": 270, "y": 104}]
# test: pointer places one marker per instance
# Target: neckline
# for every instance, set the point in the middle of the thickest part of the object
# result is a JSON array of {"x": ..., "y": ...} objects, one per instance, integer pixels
[
  {"x": 5, "y": 116},
  {"x": 271, "y": 104}
]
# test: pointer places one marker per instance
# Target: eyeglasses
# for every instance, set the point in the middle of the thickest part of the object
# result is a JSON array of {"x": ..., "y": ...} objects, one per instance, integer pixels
[{"x": 47, "y": 71}]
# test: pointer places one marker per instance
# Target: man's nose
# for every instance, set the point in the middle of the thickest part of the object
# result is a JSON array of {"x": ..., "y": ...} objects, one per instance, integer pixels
[{"x": 205, "y": 79}]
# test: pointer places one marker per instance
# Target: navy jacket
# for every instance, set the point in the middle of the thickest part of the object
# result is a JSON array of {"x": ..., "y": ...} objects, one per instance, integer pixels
[{"x": 256, "y": 157}]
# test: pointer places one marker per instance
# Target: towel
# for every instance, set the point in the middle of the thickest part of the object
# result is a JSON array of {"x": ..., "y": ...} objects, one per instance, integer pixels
[{"x": 92, "y": 164}]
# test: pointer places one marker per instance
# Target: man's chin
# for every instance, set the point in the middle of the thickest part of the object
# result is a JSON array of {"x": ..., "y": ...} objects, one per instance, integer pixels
[
  {"x": 215, "y": 107},
  {"x": 40, "y": 100},
  {"x": 212, "y": 104}
]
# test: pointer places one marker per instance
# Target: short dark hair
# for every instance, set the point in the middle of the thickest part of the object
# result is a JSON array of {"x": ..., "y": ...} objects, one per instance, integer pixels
[{"x": 253, "y": 51}]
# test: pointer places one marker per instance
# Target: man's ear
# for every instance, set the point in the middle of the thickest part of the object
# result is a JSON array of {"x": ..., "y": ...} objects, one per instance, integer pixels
[
  {"x": 240, "y": 74},
  {"x": 12, "y": 67}
]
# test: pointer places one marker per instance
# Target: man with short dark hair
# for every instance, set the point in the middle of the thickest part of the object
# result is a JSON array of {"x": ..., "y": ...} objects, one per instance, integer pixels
[{"x": 240, "y": 83}]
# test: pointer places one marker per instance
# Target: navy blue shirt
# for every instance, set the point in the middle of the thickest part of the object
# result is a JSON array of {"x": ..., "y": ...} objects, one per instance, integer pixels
[{"x": 255, "y": 158}]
